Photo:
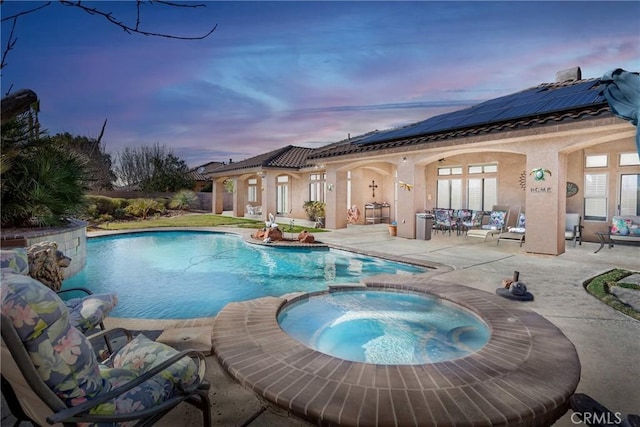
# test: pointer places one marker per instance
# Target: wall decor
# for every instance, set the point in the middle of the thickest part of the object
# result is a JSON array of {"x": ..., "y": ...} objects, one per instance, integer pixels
[
  {"x": 572, "y": 189},
  {"x": 523, "y": 180},
  {"x": 538, "y": 173}
]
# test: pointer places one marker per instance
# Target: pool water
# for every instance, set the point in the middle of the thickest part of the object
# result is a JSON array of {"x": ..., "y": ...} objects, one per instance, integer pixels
[
  {"x": 186, "y": 274},
  {"x": 384, "y": 327}
]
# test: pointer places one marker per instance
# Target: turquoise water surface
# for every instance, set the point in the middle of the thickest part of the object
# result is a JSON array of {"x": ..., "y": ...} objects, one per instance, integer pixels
[
  {"x": 384, "y": 327},
  {"x": 186, "y": 274}
]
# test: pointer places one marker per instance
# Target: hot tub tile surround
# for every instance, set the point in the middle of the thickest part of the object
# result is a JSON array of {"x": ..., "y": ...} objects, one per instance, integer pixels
[{"x": 523, "y": 376}]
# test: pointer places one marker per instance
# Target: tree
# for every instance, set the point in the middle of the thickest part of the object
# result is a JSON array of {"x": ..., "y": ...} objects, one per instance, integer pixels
[
  {"x": 99, "y": 162},
  {"x": 101, "y": 11},
  {"x": 152, "y": 168},
  {"x": 42, "y": 181}
]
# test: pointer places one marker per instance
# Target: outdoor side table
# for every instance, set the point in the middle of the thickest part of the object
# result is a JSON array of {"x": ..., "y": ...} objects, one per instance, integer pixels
[{"x": 603, "y": 237}]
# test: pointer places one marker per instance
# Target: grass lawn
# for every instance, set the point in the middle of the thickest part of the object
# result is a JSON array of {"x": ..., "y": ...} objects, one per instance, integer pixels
[
  {"x": 600, "y": 287},
  {"x": 198, "y": 220}
]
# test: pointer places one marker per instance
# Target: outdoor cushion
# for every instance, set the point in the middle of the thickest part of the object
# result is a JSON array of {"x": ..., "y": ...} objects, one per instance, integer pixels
[
  {"x": 66, "y": 360},
  {"x": 496, "y": 221},
  {"x": 142, "y": 354},
  {"x": 14, "y": 261},
  {"x": 87, "y": 312},
  {"x": 63, "y": 355},
  {"x": 625, "y": 226}
]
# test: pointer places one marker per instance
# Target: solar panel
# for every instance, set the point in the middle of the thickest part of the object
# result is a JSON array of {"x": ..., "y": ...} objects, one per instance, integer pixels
[{"x": 527, "y": 103}]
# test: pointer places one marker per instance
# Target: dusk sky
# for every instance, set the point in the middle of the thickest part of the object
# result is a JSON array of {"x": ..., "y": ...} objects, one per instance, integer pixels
[{"x": 299, "y": 73}]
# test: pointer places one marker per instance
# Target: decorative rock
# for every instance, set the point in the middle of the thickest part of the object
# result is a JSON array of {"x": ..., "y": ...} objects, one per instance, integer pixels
[
  {"x": 273, "y": 234},
  {"x": 259, "y": 234},
  {"x": 630, "y": 297},
  {"x": 306, "y": 237}
]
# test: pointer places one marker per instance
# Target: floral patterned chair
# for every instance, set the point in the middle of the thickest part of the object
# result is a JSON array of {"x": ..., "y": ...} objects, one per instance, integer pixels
[
  {"x": 443, "y": 220},
  {"x": 53, "y": 369},
  {"x": 87, "y": 311}
]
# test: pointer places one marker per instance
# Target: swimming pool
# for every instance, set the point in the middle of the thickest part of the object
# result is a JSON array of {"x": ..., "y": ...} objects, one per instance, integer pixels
[
  {"x": 384, "y": 327},
  {"x": 190, "y": 274}
]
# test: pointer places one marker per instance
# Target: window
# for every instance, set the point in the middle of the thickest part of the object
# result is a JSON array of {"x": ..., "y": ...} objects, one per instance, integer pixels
[
  {"x": 450, "y": 171},
  {"x": 449, "y": 194},
  {"x": 482, "y": 193},
  {"x": 317, "y": 187},
  {"x": 595, "y": 196},
  {"x": 252, "y": 190},
  {"x": 490, "y": 168},
  {"x": 597, "y": 161},
  {"x": 282, "y": 195},
  {"x": 630, "y": 194},
  {"x": 629, "y": 159}
]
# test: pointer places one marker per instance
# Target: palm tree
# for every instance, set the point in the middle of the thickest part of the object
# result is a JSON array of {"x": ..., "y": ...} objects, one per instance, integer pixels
[{"x": 42, "y": 182}]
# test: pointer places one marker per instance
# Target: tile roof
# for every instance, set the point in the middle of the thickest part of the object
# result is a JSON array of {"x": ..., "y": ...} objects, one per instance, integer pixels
[
  {"x": 197, "y": 176},
  {"x": 289, "y": 157},
  {"x": 542, "y": 104},
  {"x": 208, "y": 167}
]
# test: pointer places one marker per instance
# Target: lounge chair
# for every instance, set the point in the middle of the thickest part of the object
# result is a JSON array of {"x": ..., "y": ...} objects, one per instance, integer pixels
[
  {"x": 516, "y": 233},
  {"x": 573, "y": 228},
  {"x": 498, "y": 218},
  {"x": 53, "y": 369}
]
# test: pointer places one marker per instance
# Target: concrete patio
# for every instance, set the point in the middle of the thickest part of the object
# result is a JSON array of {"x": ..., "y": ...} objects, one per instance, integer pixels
[{"x": 606, "y": 341}]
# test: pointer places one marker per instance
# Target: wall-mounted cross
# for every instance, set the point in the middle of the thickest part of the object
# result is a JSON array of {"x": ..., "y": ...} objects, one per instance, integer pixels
[{"x": 373, "y": 187}]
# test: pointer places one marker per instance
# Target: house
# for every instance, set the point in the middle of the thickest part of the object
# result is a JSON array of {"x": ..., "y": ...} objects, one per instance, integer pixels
[
  {"x": 275, "y": 181},
  {"x": 201, "y": 174},
  {"x": 472, "y": 158}
]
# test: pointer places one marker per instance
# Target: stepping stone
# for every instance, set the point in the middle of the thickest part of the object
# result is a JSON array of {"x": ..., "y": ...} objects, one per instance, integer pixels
[
  {"x": 630, "y": 297},
  {"x": 196, "y": 338},
  {"x": 633, "y": 279}
]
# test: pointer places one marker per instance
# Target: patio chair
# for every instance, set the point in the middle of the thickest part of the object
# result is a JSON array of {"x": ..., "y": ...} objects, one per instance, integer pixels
[
  {"x": 462, "y": 217},
  {"x": 516, "y": 233},
  {"x": 53, "y": 370},
  {"x": 498, "y": 218},
  {"x": 87, "y": 311},
  {"x": 443, "y": 220},
  {"x": 573, "y": 228},
  {"x": 474, "y": 222}
]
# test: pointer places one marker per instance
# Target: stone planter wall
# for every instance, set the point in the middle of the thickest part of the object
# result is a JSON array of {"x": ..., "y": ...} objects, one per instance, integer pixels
[{"x": 71, "y": 240}]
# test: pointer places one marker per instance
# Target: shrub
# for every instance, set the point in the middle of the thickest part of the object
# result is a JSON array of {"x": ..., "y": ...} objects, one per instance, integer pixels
[
  {"x": 164, "y": 202},
  {"x": 314, "y": 209},
  {"x": 143, "y": 207},
  {"x": 42, "y": 181},
  {"x": 183, "y": 200},
  {"x": 105, "y": 205},
  {"x": 120, "y": 213}
]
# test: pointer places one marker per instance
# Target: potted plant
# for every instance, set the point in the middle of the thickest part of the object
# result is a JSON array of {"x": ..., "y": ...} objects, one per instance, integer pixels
[
  {"x": 314, "y": 210},
  {"x": 393, "y": 228}
]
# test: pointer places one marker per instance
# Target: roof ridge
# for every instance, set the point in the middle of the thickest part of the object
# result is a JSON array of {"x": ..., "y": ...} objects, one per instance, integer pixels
[{"x": 276, "y": 153}]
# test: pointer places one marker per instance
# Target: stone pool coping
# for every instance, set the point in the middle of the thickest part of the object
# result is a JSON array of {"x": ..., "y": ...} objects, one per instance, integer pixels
[{"x": 523, "y": 376}]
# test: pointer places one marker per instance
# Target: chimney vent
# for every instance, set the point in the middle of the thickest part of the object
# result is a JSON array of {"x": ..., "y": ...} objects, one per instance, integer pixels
[{"x": 569, "y": 74}]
